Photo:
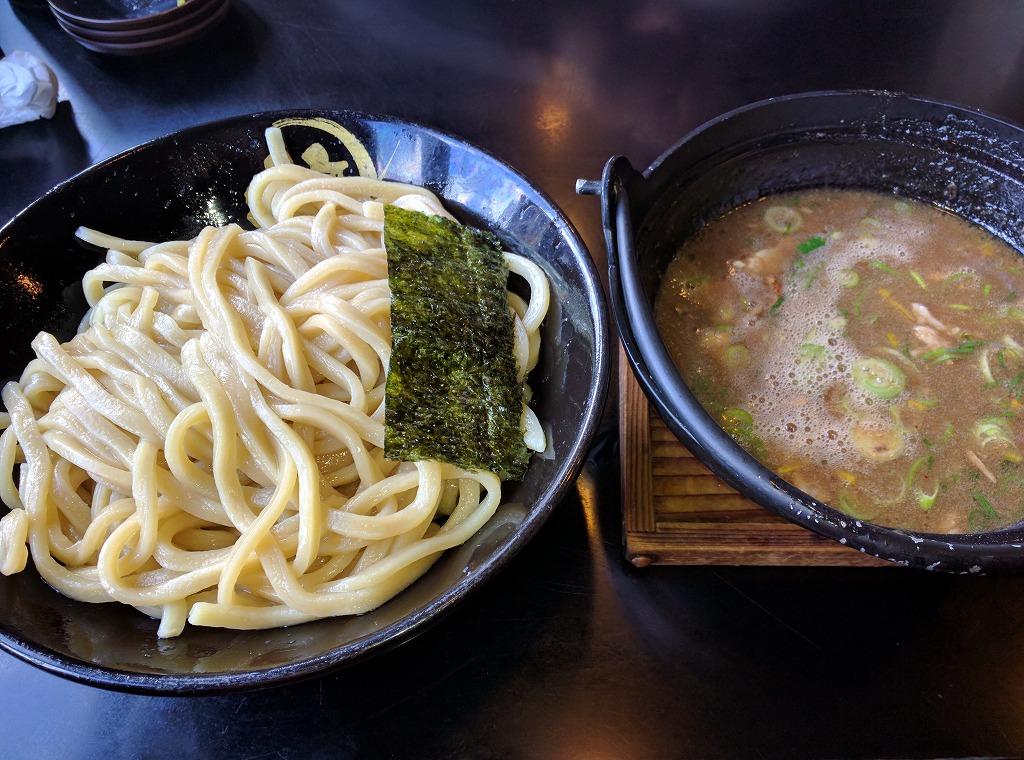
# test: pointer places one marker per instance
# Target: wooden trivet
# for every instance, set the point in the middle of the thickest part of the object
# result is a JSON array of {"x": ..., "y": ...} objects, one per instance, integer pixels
[{"x": 676, "y": 512}]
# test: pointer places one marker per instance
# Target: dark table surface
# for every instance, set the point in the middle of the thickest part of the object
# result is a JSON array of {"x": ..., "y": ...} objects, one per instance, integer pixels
[{"x": 570, "y": 652}]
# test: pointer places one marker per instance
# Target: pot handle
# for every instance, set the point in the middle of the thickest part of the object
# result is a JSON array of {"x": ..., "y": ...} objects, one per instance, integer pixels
[
  {"x": 618, "y": 188},
  {"x": 622, "y": 189},
  {"x": 619, "y": 183}
]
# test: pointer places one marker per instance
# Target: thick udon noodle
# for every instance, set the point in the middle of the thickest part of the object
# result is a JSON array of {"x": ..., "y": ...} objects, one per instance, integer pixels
[{"x": 208, "y": 448}]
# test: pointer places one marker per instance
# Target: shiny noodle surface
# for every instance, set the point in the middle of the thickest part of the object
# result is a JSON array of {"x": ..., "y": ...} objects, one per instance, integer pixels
[{"x": 208, "y": 448}]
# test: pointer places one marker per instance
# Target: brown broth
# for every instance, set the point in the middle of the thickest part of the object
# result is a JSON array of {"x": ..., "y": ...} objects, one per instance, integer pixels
[{"x": 867, "y": 348}]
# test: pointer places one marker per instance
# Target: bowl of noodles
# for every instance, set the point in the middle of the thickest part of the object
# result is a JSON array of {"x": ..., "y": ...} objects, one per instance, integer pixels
[
  {"x": 199, "y": 494},
  {"x": 820, "y": 294}
]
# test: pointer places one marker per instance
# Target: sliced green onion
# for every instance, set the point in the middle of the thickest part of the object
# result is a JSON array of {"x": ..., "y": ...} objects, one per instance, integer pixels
[
  {"x": 942, "y": 439},
  {"x": 1015, "y": 385},
  {"x": 812, "y": 274},
  {"x": 813, "y": 353},
  {"x": 783, "y": 219},
  {"x": 897, "y": 419},
  {"x": 926, "y": 500},
  {"x": 879, "y": 377},
  {"x": 919, "y": 280},
  {"x": 736, "y": 356},
  {"x": 735, "y": 419},
  {"x": 956, "y": 276},
  {"x": 881, "y": 265},
  {"x": 848, "y": 278},
  {"x": 810, "y": 244},
  {"x": 917, "y": 465},
  {"x": 778, "y": 303},
  {"x": 848, "y": 506},
  {"x": 992, "y": 430},
  {"x": 879, "y": 443},
  {"x": 858, "y": 302},
  {"x": 985, "y": 513},
  {"x": 739, "y": 424},
  {"x": 1017, "y": 347},
  {"x": 939, "y": 355},
  {"x": 897, "y": 499}
]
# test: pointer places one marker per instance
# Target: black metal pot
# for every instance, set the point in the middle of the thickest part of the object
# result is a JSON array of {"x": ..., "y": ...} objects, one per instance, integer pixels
[{"x": 966, "y": 162}]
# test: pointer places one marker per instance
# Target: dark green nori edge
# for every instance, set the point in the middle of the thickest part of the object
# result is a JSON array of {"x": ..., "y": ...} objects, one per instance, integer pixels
[{"x": 452, "y": 393}]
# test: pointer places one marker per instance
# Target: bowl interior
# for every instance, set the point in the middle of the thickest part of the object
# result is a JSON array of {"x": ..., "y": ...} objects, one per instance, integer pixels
[
  {"x": 962, "y": 162},
  {"x": 171, "y": 188},
  {"x": 965, "y": 162}
]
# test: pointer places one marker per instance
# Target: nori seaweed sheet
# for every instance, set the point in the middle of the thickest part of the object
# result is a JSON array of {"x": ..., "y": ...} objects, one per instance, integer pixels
[{"x": 452, "y": 393}]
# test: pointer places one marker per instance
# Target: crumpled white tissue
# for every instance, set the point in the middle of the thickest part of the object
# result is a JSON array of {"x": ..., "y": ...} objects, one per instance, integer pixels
[{"x": 28, "y": 89}]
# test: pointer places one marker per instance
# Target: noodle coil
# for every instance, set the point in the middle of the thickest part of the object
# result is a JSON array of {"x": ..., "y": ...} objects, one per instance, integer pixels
[{"x": 208, "y": 447}]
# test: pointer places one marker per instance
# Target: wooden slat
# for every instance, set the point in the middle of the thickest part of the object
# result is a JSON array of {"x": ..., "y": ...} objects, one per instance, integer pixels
[
  {"x": 676, "y": 512},
  {"x": 635, "y": 437},
  {"x": 677, "y": 466}
]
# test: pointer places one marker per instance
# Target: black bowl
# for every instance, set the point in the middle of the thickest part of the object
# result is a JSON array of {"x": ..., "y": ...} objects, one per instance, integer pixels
[
  {"x": 957, "y": 159},
  {"x": 104, "y": 14},
  {"x": 171, "y": 188}
]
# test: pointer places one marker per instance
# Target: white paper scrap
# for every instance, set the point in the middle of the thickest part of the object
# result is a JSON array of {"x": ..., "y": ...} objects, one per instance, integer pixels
[{"x": 28, "y": 89}]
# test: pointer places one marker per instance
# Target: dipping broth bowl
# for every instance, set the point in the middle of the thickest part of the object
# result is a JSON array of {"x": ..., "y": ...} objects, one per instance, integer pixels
[
  {"x": 170, "y": 189},
  {"x": 957, "y": 159}
]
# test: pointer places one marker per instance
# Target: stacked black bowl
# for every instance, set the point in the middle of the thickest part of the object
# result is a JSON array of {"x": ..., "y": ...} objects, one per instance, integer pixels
[{"x": 135, "y": 27}]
